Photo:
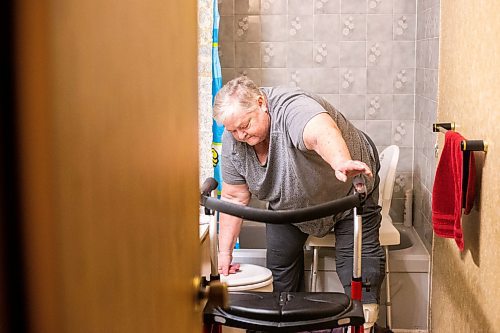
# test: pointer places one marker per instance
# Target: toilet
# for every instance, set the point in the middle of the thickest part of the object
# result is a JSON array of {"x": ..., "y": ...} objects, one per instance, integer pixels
[{"x": 249, "y": 277}]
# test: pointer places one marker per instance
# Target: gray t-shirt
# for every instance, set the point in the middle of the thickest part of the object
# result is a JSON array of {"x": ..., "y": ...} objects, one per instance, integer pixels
[{"x": 294, "y": 177}]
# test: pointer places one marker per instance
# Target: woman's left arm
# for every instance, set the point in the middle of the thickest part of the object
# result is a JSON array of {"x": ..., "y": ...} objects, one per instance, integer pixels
[{"x": 322, "y": 135}]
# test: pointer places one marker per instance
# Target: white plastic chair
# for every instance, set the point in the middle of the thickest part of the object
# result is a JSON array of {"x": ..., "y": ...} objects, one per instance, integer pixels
[{"x": 388, "y": 234}]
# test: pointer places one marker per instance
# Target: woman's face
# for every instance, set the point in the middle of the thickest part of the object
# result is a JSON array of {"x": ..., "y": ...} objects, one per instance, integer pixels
[{"x": 251, "y": 127}]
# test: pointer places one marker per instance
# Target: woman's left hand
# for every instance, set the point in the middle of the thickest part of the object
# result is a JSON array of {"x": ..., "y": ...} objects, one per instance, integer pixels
[{"x": 351, "y": 168}]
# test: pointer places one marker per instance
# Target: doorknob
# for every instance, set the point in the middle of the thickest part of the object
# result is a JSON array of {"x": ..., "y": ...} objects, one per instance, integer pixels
[{"x": 212, "y": 291}]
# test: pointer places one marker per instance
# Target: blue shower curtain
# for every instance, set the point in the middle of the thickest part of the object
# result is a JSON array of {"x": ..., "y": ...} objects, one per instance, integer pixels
[{"x": 217, "y": 129}]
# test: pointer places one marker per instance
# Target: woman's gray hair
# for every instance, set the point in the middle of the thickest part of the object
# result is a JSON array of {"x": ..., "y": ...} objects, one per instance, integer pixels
[{"x": 239, "y": 91}]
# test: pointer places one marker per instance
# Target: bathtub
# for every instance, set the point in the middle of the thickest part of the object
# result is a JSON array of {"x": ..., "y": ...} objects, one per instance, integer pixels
[
  {"x": 410, "y": 283},
  {"x": 409, "y": 264},
  {"x": 410, "y": 255}
]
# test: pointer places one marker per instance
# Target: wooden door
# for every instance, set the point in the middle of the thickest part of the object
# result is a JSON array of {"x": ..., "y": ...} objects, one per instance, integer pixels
[{"x": 107, "y": 115}]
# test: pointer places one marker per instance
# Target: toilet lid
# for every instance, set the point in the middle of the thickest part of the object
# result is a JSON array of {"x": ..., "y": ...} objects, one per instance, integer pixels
[{"x": 246, "y": 275}]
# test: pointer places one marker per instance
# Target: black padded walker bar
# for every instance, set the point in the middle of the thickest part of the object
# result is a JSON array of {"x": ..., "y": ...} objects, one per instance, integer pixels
[
  {"x": 465, "y": 145},
  {"x": 281, "y": 216},
  {"x": 284, "y": 216}
]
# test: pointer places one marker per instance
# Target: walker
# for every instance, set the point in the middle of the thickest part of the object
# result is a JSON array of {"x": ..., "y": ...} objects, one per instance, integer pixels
[{"x": 289, "y": 311}]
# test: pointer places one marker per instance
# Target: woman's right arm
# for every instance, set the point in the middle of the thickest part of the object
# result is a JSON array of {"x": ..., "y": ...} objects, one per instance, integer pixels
[{"x": 230, "y": 226}]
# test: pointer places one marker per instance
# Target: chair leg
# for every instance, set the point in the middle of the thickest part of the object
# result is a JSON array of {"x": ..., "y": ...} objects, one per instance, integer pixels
[
  {"x": 388, "y": 303},
  {"x": 311, "y": 268},
  {"x": 314, "y": 269}
]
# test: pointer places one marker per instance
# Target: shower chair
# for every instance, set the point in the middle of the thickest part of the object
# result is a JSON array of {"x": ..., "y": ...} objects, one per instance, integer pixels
[{"x": 388, "y": 234}]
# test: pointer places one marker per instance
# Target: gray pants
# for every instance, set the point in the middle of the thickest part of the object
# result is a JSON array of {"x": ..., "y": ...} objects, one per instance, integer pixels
[{"x": 285, "y": 254}]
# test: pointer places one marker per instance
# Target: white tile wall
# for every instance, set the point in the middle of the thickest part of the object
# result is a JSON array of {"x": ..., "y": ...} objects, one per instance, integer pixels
[
  {"x": 350, "y": 52},
  {"x": 427, "y": 61}
]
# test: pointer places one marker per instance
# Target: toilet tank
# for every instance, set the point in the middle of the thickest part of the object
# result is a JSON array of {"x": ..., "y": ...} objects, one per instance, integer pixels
[
  {"x": 253, "y": 234},
  {"x": 252, "y": 240}
]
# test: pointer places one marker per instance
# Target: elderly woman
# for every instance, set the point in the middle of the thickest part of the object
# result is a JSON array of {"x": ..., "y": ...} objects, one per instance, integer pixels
[{"x": 292, "y": 149}]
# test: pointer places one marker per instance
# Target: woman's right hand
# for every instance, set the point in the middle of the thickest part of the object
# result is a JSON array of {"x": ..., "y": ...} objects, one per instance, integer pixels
[{"x": 225, "y": 266}]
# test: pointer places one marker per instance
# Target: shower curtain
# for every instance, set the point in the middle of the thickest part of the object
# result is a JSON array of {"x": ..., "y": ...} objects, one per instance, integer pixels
[{"x": 217, "y": 129}]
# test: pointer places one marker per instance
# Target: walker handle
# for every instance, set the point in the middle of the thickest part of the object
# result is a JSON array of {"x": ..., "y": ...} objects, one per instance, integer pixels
[{"x": 208, "y": 186}]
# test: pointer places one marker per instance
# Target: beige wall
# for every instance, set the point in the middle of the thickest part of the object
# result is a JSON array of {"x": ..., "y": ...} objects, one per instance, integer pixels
[{"x": 465, "y": 286}]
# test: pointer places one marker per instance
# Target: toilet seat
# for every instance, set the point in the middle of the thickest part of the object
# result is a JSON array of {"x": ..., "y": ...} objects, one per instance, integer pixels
[{"x": 248, "y": 277}]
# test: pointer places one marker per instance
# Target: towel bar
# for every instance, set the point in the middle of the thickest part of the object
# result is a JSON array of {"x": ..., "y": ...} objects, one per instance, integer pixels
[{"x": 466, "y": 145}]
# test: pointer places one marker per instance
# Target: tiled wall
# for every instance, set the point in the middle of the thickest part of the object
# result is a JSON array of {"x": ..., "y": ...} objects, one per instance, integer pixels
[
  {"x": 426, "y": 89},
  {"x": 358, "y": 54}
]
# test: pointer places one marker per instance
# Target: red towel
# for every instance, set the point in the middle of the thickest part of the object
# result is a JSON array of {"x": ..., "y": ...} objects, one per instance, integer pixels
[{"x": 448, "y": 197}]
